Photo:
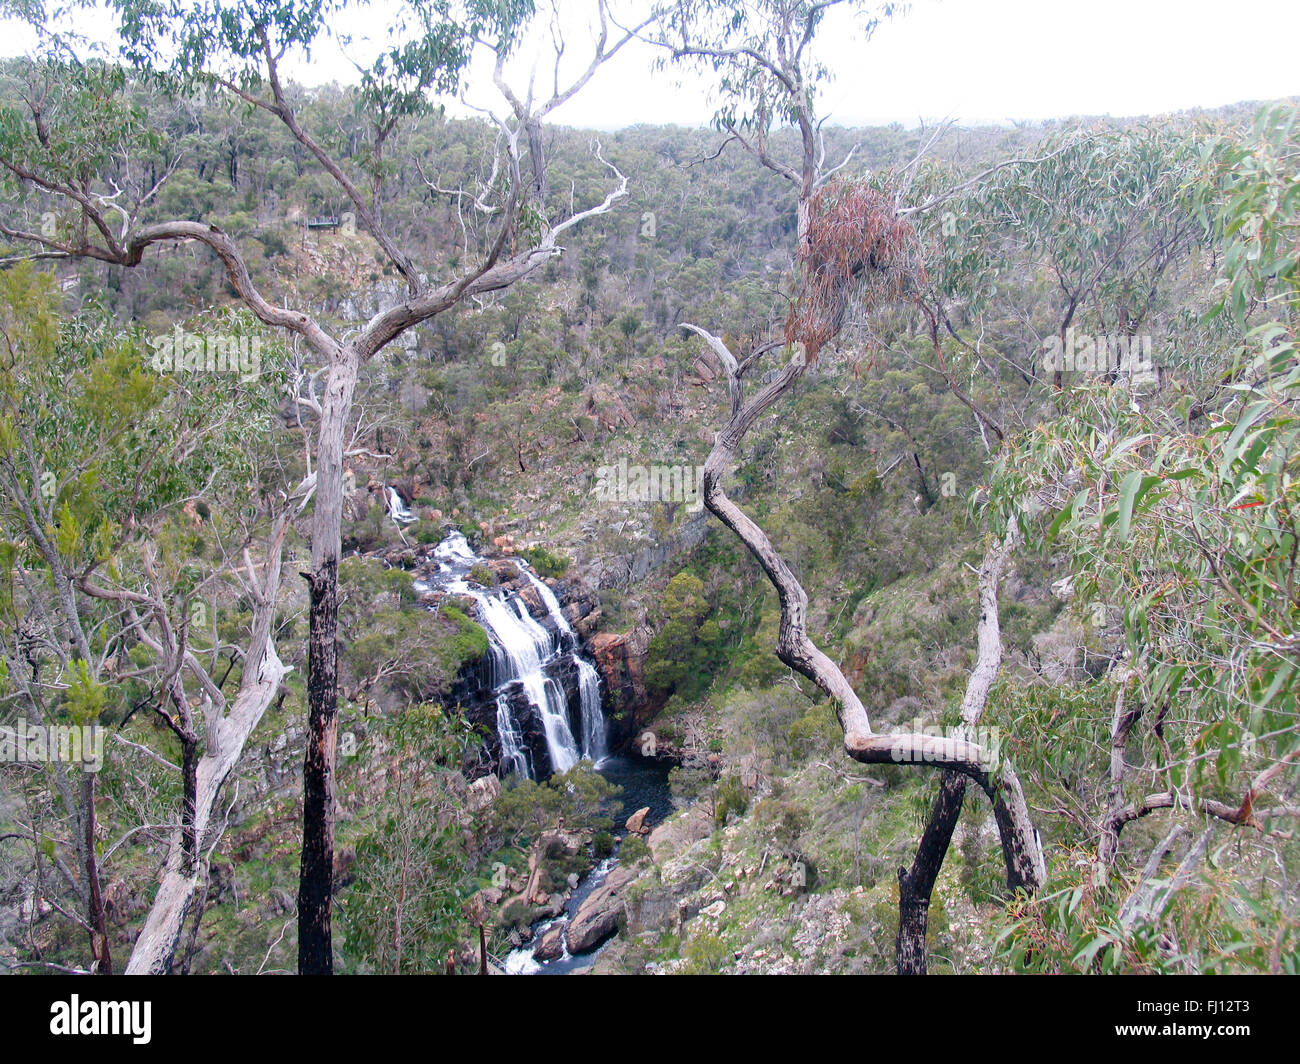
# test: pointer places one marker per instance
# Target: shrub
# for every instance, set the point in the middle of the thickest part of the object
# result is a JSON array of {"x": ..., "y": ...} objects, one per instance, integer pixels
[
  {"x": 546, "y": 563},
  {"x": 633, "y": 851},
  {"x": 731, "y": 799}
]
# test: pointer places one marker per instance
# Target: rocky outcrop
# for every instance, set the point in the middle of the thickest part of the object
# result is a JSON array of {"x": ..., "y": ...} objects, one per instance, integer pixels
[
  {"x": 551, "y": 946},
  {"x": 597, "y": 916},
  {"x": 621, "y": 659},
  {"x": 678, "y": 833},
  {"x": 482, "y": 793}
]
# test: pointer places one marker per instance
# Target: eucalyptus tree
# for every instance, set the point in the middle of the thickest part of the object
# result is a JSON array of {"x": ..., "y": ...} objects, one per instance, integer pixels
[
  {"x": 79, "y": 141},
  {"x": 1176, "y": 513},
  {"x": 856, "y": 247},
  {"x": 1107, "y": 219},
  {"x": 132, "y": 504}
]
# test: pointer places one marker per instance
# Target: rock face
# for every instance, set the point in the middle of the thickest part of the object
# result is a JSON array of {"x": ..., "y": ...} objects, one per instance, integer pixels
[
  {"x": 483, "y": 792},
  {"x": 597, "y": 916},
  {"x": 621, "y": 659}
]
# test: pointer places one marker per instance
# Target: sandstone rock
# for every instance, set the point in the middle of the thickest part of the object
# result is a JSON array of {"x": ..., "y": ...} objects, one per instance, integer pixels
[
  {"x": 636, "y": 822},
  {"x": 483, "y": 792},
  {"x": 597, "y": 917},
  {"x": 551, "y": 947}
]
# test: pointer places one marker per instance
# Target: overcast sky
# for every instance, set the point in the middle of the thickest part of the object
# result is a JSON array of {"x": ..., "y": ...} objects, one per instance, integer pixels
[{"x": 971, "y": 60}]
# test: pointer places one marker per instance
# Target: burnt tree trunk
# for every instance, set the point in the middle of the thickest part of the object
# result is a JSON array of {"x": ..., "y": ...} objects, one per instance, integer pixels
[
  {"x": 316, "y": 879},
  {"x": 916, "y": 886},
  {"x": 98, "y": 925},
  {"x": 316, "y": 875}
]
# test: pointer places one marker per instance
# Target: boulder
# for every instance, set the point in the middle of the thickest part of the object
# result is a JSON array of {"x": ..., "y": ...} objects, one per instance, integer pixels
[
  {"x": 551, "y": 947},
  {"x": 597, "y": 916},
  {"x": 483, "y": 792},
  {"x": 636, "y": 822}
]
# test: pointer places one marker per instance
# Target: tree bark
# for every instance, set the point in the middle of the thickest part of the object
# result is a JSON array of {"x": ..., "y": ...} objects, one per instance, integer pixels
[
  {"x": 916, "y": 886},
  {"x": 1021, "y": 847},
  {"x": 98, "y": 925},
  {"x": 155, "y": 947},
  {"x": 316, "y": 875}
]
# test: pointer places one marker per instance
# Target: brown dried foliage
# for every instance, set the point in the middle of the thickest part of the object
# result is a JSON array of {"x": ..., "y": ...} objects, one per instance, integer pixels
[{"x": 857, "y": 249}]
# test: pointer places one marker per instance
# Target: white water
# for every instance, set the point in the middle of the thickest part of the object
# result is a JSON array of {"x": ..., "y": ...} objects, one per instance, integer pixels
[
  {"x": 594, "y": 743},
  {"x": 521, "y": 648},
  {"x": 514, "y": 754},
  {"x": 397, "y": 509},
  {"x": 594, "y": 737},
  {"x": 454, "y": 547}
]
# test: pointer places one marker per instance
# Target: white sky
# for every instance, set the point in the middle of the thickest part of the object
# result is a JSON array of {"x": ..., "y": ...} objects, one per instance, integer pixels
[{"x": 971, "y": 60}]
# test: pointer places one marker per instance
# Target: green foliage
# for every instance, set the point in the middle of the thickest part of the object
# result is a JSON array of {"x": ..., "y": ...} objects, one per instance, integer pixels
[
  {"x": 633, "y": 851},
  {"x": 686, "y": 650},
  {"x": 732, "y": 799},
  {"x": 548, "y": 564},
  {"x": 403, "y": 912},
  {"x": 705, "y": 954},
  {"x": 690, "y": 782},
  {"x": 1208, "y": 926},
  {"x": 579, "y": 797}
]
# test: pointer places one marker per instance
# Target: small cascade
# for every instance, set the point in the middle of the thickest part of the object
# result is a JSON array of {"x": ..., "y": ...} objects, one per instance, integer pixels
[
  {"x": 595, "y": 738},
  {"x": 514, "y": 754},
  {"x": 397, "y": 508},
  {"x": 530, "y": 665}
]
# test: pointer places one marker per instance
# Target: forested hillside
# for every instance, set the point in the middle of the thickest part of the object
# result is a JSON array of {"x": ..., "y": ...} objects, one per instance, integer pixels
[{"x": 921, "y": 504}]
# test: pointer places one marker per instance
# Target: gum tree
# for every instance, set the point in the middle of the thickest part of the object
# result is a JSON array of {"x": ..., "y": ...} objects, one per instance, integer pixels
[
  {"x": 856, "y": 249},
  {"x": 79, "y": 142},
  {"x": 1178, "y": 512},
  {"x": 114, "y": 482}
]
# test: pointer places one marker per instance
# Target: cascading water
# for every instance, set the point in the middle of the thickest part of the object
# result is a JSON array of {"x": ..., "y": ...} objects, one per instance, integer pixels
[
  {"x": 525, "y": 658},
  {"x": 594, "y": 744},
  {"x": 397, "y": 509},
  {"x": 514, "y": 754}
]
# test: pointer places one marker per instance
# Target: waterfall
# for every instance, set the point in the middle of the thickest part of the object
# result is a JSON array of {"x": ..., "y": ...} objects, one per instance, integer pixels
[
  {"x": 397, "y": 509},
  {"x": 593, "y": 720},
  {"x": 524, "y": 656},
  {"x": 594, "y": 738},
  {"x": 514, "y": 754}
]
